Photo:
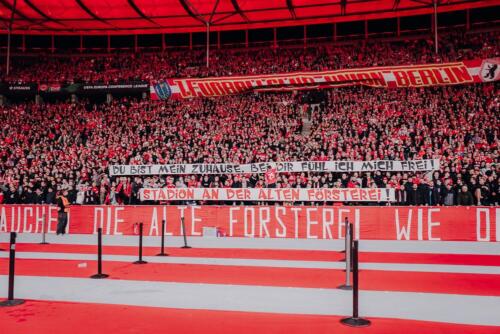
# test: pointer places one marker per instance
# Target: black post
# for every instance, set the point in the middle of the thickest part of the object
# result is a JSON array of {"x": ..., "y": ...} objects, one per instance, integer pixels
[
  {"x": 99, "y": 256},
  {"x": 348, "y": 259},
  {"x": 349, "y": 245},
  {"x": 355, "y": 320},
  {"x": 184, "y": 233},
  {"x": 162, "y": 247},
  {"x": 345, "y": 233},
  {"x": 351, "y": 233},
  {"x": 12, "y": 260},
  {"x": 44, "y": 242},
  {"x": 140, "y": 261}
]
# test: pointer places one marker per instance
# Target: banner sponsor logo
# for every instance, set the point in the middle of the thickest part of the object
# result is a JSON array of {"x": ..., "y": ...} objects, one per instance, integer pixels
[
  {"x": 12, "y": 88},
  {"x": 161, "y": 90},
  {"x": 279, "y": 167},
  {"x": 133, "y": 86},
  {"x": 304, "y": 222},
  {"x": 20, "y": 88},
  {"x": 49, "y": 88},
  {"x": 269, "y": 194},
  {"x": 77, "y": 88},
  {"x": 384, "y": 77}
]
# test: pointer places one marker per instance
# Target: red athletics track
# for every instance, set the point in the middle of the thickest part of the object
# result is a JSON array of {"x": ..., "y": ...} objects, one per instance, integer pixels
[
  {"x": 300, "y": 255},
  {"x": 452, "y": 283},
  {"x": 42, "y": 317}
]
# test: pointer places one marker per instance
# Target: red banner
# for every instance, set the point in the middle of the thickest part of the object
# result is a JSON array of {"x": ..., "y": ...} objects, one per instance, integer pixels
[
  {"x": 304, "y": 222},
  {"x": 469, "y": 71}
]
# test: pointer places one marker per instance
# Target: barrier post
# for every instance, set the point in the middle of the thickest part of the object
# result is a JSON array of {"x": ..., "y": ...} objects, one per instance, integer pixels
[
  {"x": 43, "y": 231},
  {"x": 351, "y": 232},
  {"x": 12, "y": 260},
  {"x": 99, "y": 274},
  {"x": 355, "y": 320},
  {"x": 162, "y": 247},
  {"x": 348, "y": 258},
  {"x": 184, "y": 233},
  {"x": 346, "y": 240},
  {"x": 140, "y": 261}
]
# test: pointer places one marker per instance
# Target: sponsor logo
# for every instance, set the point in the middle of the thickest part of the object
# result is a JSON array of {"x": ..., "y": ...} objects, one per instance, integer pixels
[{"x": 163, "y": 90}]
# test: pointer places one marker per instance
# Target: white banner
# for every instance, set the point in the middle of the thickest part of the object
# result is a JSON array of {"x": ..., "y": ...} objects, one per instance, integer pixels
[
  {"x": 280, "y": 167},
  {"x": 269, "y": 194}
]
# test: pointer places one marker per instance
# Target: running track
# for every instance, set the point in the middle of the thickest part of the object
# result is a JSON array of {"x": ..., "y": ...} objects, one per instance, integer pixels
[{"x": 250, "y": 286}]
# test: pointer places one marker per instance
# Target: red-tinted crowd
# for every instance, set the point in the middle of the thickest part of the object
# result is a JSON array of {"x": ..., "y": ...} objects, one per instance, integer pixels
[
  {"x": 45, "y": 148},
  {"x": 157, "y": 66},
  {"x": 69, "y": 146}
]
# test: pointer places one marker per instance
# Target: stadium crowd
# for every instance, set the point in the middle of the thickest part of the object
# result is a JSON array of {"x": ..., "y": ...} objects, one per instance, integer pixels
[
  {"x": 45, "y": 148},
  {"x": 51, "y": 147},
  {"x": 127, "y": 67}
]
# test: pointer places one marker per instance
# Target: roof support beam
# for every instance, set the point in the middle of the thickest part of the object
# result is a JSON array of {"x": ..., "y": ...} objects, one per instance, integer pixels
[
  {"x": 30, "y": 25},
  {"x": 192, "y": 11},
  {"x": 20, "y": 14},
  {"x": 343, "y": 5},
  {"x": 37, "y": 24},
  {"x": 425, "y": 2},
  {"x": 220, "y": 19},
  {"x": 237, "y": 8},
  {"x": 140, "y": 13},
  {"x": 291, "y": 9},
  {"x": 213, "y": 11},
  {"x": 42, "y": 13},
  {"x": 91, "y": 13},
  {"x": 435, "y": 24},
  {"x": 11, "y": 22}
]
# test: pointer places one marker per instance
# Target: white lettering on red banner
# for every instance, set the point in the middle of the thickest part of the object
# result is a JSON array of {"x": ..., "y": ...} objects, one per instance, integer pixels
[
  {"x": 321, "y": 222},
  {"x": 469, "y": 71}
]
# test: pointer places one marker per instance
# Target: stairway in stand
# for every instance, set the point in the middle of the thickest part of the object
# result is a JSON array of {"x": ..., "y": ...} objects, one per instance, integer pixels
[
  {"x": 307, "y": 120},
  {"x": 306, "y": 127}
]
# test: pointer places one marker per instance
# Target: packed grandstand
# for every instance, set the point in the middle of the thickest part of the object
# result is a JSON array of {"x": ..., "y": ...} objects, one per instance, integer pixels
[
  {"x": 126, "y": 67},
  {"x": 61, "y": 145},
  {"x": 249, "y": 166}
]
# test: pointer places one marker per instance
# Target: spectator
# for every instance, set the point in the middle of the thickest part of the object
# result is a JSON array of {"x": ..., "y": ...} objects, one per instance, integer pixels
[
  {"x": 423, "y": 193},
  {"x": 413, "y": 195},
  {"x": 483, "y": 193},
  {"x": 433, "y": 194},
  {"x": 90, "y": 196},
  {"x": 448, "y": 195},
  {"x": 401, "y": 195},
  {"x": 63, "y": 209},
  {"x": 464, "y": 197},
  {"x": 50, "y": 197}
]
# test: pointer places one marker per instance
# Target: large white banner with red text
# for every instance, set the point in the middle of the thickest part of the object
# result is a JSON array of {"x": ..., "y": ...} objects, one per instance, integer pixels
[
  {"x": 465, "y": 72},
  {"x": 269, "y": 194},
  {"x": 304, "y": 222}
]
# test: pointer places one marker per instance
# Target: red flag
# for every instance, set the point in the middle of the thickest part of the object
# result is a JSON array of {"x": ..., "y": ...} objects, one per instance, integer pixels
[{"x": 271, "y": 176}]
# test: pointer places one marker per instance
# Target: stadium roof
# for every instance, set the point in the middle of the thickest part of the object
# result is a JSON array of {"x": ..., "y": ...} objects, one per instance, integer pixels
[{"x": 155, "y": 16}]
